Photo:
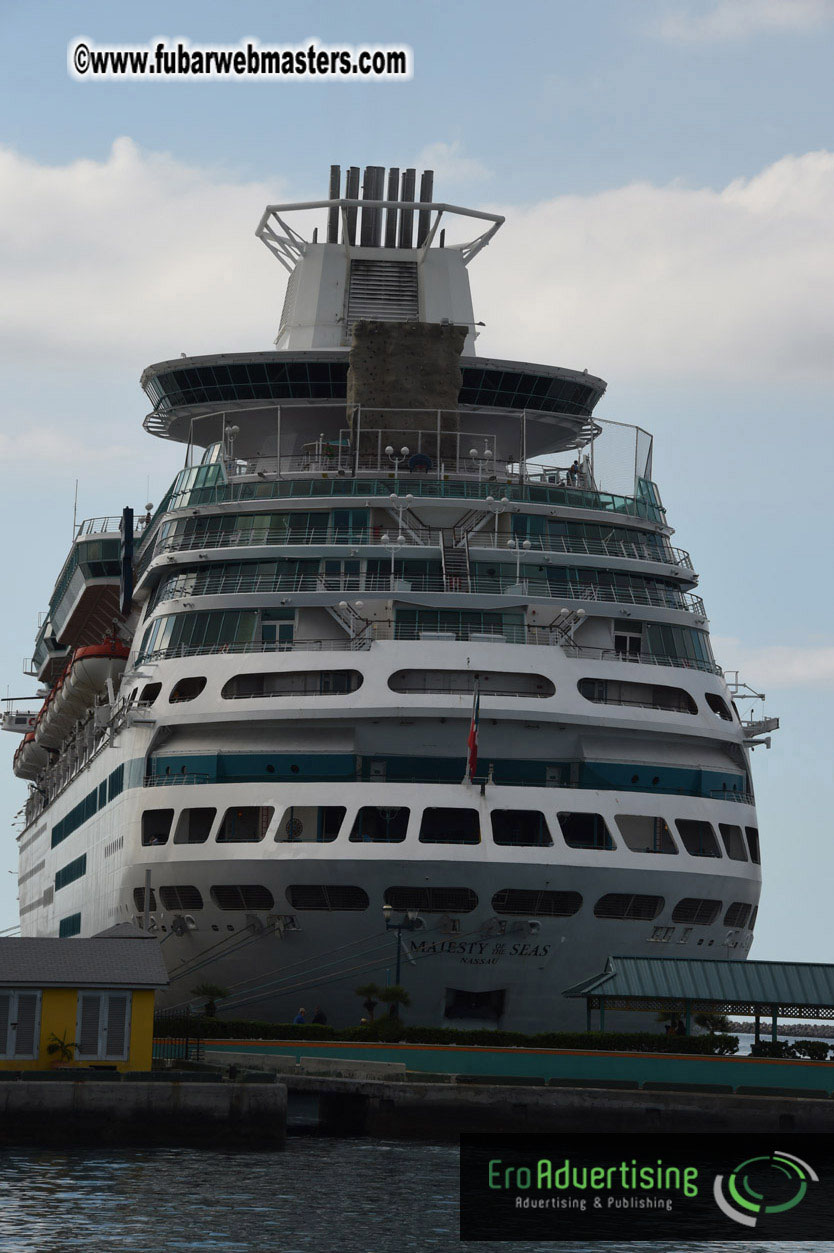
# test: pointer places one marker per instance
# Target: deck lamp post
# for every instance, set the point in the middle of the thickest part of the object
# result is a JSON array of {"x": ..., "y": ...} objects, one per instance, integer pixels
[
  {"x": 408, "y": 923},
  {"x": 401, "y": 504},
  {"x": 396, "y": 457},
  {"x": 394, "y": 546},
  {"x": 481, "y": 459},
  {"x": 526, "y": 545},
  {"x": 496, "y": 508}
]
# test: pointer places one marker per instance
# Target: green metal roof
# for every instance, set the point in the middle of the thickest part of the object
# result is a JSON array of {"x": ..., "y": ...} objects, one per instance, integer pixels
[{"x": 794, "y": 988}]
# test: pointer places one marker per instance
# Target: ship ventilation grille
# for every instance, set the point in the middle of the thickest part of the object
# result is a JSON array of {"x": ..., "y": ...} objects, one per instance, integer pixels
[{"x": 385, "y": 291}]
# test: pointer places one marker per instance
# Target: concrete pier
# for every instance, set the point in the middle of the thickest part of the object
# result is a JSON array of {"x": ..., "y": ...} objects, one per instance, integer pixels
[
  {"x": 199, "y": 1111},
  {"x": 440, "y": 1112}
]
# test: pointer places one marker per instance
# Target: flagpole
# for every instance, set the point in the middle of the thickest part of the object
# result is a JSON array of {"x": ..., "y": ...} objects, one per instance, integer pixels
[{"x": 472, "y": 740}]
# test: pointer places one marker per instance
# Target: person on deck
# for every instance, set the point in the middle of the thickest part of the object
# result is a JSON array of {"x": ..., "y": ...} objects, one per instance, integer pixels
[{"x": 300, "y": 1018}]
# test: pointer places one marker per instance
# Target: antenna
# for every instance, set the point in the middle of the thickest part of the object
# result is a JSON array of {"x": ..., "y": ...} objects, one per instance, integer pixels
[{"x": 75, "y": 509}]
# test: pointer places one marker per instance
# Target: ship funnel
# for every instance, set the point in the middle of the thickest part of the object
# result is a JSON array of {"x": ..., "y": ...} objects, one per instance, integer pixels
[{"x": 377, "y": 262}]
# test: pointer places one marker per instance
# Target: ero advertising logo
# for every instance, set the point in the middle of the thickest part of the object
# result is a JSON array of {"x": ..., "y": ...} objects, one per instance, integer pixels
[
  {"x": 782, "y": 1178},
  {"x": 620, "y": 1186}
]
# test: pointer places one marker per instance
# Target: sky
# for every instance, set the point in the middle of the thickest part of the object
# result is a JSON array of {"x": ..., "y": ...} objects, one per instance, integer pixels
[{"x": 666, "y": 169}]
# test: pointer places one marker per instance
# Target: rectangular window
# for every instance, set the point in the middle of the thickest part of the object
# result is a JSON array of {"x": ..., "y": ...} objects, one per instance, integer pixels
[
  {"x": 103, "y": 1025},
  {"x": 194, "y": 825},
  {"x": 245, "y": 825},
  {"x": 116, "y": 782},
  {"x": 450, "y": 826},
  {"x": 585, "y": 831},
  {"x": 69, "y": 926},
  {"x": 156, "y": 826},
  {"x": 19, "y": 1023},
  {"x": 72, "y": 871}
]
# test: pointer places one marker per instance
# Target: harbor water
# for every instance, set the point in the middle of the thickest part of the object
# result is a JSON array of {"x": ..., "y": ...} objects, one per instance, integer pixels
[{"x": 355, "y": 1196}]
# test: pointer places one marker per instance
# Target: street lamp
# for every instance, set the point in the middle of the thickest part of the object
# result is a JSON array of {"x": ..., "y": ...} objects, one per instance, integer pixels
[{"x": 410, "y": 922}]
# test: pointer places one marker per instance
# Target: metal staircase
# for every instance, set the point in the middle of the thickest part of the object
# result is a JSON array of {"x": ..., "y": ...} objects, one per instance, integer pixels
[{"x": 455, "y": 563}]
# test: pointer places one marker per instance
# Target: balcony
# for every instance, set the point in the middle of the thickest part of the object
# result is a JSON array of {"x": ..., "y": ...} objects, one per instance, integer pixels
[
  {"x": 388, "y": 630},
  {"x": 535, "y": 490},
  {"x": 519, "y": 586},
  {"x": 484, "y": 536}
]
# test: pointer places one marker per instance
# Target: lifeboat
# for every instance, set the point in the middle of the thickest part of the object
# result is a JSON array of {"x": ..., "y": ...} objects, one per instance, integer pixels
[
  {"x": 89, "y": 671},
  {"x": 30, "y": 758},
  {"x": 84, "y": 678}
]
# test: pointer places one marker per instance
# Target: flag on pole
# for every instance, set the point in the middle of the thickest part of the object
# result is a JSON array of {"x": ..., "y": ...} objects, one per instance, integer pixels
[{"x": 472, "y": 742}]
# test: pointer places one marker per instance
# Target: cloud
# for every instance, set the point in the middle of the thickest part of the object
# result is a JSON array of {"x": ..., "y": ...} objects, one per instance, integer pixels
[
  {"x": 133, "y": 255},
  {"x": 139, "y": 257},
  {"x": 450, "y": 166},
  {"x": 676, "y": 282},
  {"x": 777, "y": 665},
  {"x": 738, "y": 19}
]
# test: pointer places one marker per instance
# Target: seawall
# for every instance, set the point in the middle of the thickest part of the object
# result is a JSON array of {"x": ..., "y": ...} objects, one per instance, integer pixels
[{"x": 199, "y": 1111}]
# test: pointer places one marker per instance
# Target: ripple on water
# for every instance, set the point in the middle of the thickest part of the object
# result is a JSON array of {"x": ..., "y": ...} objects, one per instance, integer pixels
[{"x": 360, "y": 1196}]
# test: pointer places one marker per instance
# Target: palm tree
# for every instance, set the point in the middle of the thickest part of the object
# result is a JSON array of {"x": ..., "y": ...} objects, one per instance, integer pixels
[
  {"x": 395, "y": 996},
  {"x": 369, "y": 991},
  {"x": 213, "y": 993},
  {"x": 713, "y": 1023}
]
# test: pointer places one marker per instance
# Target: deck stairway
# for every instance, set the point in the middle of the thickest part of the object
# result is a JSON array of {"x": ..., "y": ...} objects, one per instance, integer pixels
[{"x": 455, "y": 563}]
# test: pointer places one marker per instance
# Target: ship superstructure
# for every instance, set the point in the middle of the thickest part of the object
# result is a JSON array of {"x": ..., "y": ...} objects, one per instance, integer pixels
[{"x": 258, "y": 698}]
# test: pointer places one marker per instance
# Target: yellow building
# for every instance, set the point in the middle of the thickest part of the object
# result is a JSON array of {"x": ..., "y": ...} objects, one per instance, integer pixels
[{"x": 74, "y": 1003}]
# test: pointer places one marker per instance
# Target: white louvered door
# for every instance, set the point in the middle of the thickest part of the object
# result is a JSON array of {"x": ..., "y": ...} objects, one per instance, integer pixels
[{"x": 19, "y": 1023}]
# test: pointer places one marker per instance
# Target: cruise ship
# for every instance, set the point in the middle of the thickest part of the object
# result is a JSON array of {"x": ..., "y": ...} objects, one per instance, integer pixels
[{"x": 403, "y": 681}]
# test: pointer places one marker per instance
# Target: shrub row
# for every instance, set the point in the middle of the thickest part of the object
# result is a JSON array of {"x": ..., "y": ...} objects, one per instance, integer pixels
[
  {"x": 388, "y": 1030},
  {"x": 816, "y": 1050}
]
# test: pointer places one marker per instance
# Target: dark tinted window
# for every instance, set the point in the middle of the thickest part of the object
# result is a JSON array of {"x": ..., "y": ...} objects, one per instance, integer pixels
[
  {"x": 738, "y": 914},
  {"x": 733, "y": 842},
  {"x": 194, "y": 825},
  {"x": 432, "y": 900},
  {"x": 696, "y": 911},
  {"x": 293, "y": 683},
  {"x": 246, "y": 824},
  {"x": 718, "y": 706},
  {"x": 623, "y": 905},
  {"x": 752, "y": 834},
  {"x": 640, "y": 695},
  {"x": 139, "y": 899},
  {"x": 242, "y": 896},
  {"x": 543, "y": 904},
  {"x": 644, "y": 834},
  {"x": 182, "y": 896},
  {"x": 380, "y": 825},
  {"x": 524, "y": 827},
  {"x": 156, "y": 826},
  {"x": 450, "y": 826},
  {"x": 187, "y": 689},
  {"x": 698, "y": 838},
  {"x": 585, "y": 831},
  {"x": 331, "y": 896}
]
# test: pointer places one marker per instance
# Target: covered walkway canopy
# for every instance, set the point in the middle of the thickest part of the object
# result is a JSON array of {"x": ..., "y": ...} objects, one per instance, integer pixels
[{"x": 687, "y": 985}]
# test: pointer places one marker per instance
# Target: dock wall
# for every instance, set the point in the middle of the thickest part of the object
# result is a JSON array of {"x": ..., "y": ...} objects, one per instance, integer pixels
[{"x": 154, "y": 1112}]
